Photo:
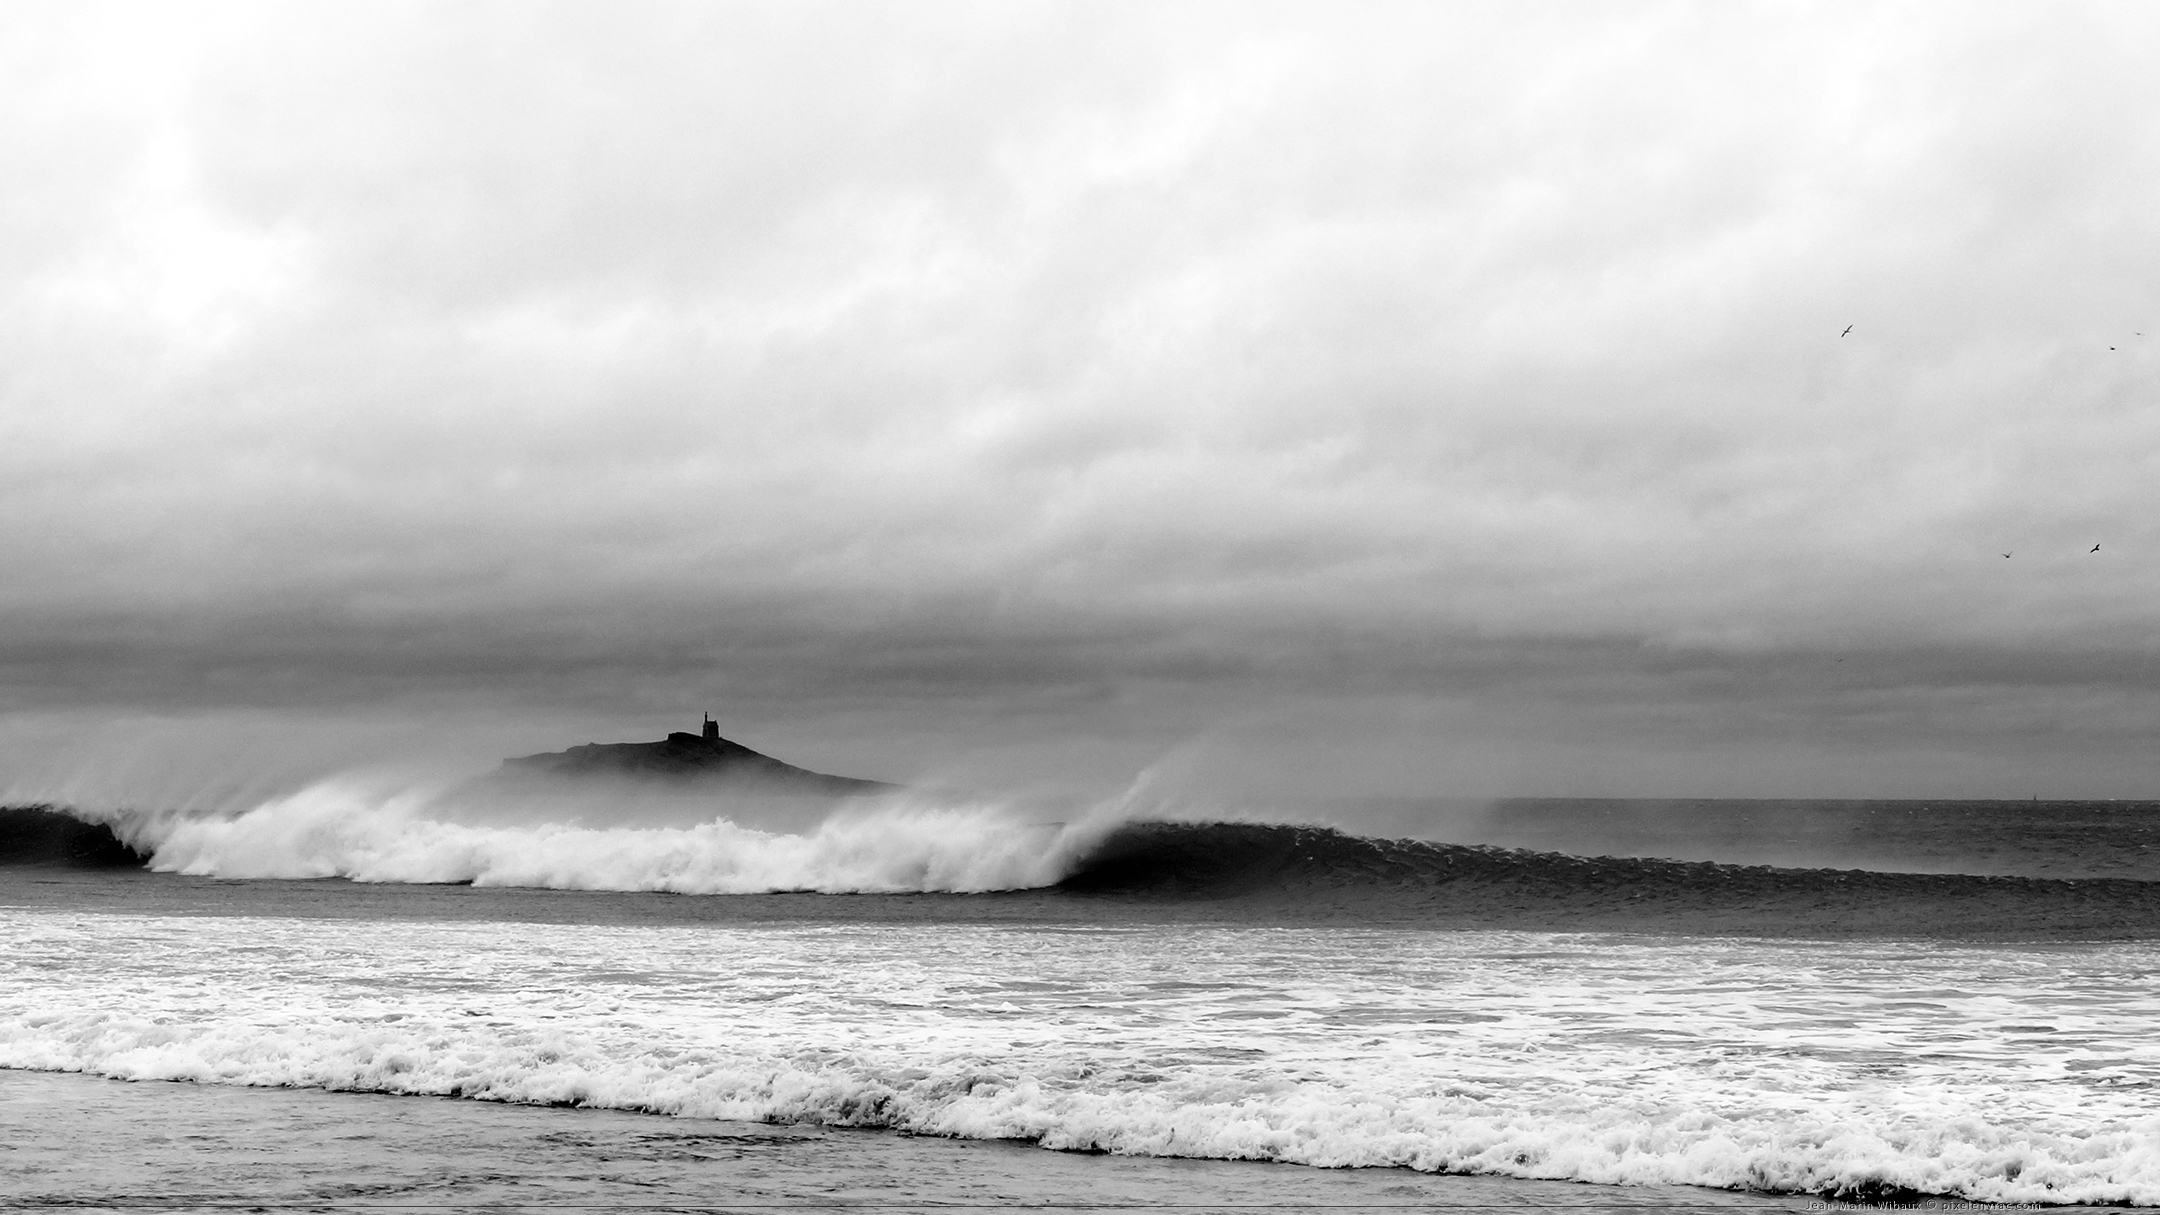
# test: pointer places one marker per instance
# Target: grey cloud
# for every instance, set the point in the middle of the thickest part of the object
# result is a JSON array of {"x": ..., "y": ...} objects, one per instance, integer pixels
[{"x": 946, "y": 373}]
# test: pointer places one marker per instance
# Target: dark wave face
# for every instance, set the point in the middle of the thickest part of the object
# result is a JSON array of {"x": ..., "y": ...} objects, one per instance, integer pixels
[
  {"x": 39, "y": 835},
  {"x": 1324, "y": 875}
]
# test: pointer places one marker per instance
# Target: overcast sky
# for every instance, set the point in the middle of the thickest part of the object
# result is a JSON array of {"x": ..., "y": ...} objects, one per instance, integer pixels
[{"x": 1443, "y": 398}]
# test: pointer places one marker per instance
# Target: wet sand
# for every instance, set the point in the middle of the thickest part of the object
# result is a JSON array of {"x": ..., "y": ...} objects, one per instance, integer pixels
[{"x": 82, "y": 1143}]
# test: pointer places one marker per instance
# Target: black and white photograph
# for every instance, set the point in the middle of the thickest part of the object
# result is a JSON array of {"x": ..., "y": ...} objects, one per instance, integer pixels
[{"x": 1079, "y": 605}]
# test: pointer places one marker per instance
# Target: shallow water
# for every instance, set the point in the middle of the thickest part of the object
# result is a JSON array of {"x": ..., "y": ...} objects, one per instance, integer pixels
[
  {"x": 1998, "y": 1072},
  {"x": 178, "y": 1147}
]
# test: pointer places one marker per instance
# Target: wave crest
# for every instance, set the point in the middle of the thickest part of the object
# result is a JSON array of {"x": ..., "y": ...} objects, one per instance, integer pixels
[{"x": 344, "y": 831}]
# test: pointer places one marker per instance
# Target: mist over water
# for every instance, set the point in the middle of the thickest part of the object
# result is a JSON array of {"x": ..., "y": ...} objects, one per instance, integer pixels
[
  {"x": 733, "y": 838},
  {"x": 226, "y": 763},
  {"x": 413, "y": 800},
  {"x": 421, "y": 800},
  {"x": 900, "y": 843}
]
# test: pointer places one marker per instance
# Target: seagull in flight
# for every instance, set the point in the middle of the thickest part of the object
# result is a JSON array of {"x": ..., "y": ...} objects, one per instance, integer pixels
[
  {"x": 1848, "y": 329},
  {"x": 2006, "y": 555}
]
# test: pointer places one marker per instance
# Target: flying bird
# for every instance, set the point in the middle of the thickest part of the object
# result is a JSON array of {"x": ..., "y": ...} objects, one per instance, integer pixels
[
  {"x": 1848, "y": 329},
  {"x": 2006, "y": 554},
  {"x": 2096, "y": 548}
]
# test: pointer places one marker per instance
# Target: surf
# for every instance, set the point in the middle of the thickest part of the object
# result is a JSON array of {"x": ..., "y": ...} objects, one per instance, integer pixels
[
  {"x": 1111, "y": 861},
  {"x": 2001, "y": 1074}
]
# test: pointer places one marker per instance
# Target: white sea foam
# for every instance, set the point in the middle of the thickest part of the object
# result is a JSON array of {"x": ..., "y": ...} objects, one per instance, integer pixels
[
  {"x": 351, "y": 830},
  {"x": 1996, "y": 1073}
]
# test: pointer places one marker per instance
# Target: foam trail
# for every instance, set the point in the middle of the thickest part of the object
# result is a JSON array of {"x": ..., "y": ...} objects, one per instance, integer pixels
[
  {"x": 345, "y": 829},
  {"x": 1856, "y": 1070}
]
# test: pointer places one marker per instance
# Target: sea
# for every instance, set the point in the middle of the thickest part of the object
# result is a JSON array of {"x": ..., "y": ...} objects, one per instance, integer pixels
[{"x": 346, "y": 1000}]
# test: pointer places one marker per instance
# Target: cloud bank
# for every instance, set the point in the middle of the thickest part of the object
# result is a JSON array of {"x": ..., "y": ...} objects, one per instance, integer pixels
[{"x": 1059, "y": 389}]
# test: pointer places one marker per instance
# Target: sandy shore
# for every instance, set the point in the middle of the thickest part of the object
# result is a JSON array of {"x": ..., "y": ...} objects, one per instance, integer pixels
[{"x": 82, "y": 1143}]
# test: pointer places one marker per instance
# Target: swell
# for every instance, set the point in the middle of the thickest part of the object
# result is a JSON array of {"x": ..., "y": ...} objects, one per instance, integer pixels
[{"x": 1317, "y": 872}]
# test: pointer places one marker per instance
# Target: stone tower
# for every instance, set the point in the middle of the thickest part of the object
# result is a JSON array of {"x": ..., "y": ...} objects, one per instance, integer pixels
[{"x": 712, "y": 729}]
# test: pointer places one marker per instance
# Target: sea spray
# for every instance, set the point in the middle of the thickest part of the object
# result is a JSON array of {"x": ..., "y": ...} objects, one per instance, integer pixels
[
  {"x": 1109, "y": 860},
  {"x": 902, "y": 843}
]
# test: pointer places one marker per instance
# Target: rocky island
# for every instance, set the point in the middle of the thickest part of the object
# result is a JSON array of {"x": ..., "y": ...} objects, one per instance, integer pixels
[{"x": 682, "y": 759}]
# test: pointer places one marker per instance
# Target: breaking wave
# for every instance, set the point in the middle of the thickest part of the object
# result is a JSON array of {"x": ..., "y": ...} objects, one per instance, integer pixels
[
  {"x": 1243, "y": 870},
  {"x": 336, "y": 830},
  {"x": 40, "y": 835}
]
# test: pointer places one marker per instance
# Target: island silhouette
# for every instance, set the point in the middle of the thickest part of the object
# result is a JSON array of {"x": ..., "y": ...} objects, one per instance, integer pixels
[{"x": 685, "y": 759}]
